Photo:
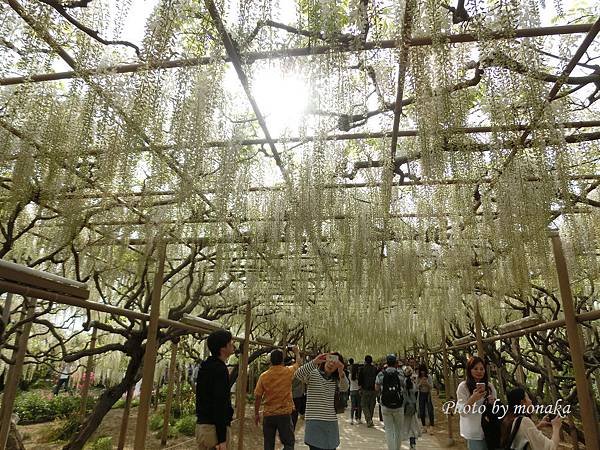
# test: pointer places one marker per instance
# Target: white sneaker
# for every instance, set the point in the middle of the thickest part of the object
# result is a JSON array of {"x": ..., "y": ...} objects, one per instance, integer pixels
[{"x": 359, "y": 421}]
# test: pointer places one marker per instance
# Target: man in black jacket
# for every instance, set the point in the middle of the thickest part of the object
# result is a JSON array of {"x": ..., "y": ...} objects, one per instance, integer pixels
[
  {"x": 366, "y": 382},
  {"x": 213, "y": 402}
]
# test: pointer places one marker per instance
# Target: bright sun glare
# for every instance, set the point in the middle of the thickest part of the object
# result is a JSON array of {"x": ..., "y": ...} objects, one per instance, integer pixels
[{"x": 282, "y": 99}]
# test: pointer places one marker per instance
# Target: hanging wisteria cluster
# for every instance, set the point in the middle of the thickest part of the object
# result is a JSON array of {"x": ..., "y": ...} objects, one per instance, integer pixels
[{"x": 364, "y": 252}]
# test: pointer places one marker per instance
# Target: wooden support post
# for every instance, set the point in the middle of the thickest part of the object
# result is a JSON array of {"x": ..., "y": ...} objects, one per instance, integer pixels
[
  {"x": 125, "y": 419},
  {"x": 242, "y": 377},
  {"x": 590, "y": 426},
  {"x": 480, "y": 350},
  {"x": 141, "y": 428},
  {"x": 447, "y": 384},
  {"x": 182, "y": 376},
  {"x": 500, "y": 378},
  {"x": 15, "y": 370},
  {"x": 89, "y": 368},
  {"x": 172, "y": 363},
  {"x": 552, "y": 387},
  {"x": 514, "y": 343},
  {"x": 6, "y": 309}
]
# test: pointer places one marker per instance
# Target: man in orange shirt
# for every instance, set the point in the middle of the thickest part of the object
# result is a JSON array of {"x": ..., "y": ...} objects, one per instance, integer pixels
[{"x": 275, "y": 387}]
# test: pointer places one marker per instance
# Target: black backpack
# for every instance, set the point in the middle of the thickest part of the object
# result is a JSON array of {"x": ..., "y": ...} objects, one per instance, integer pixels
[
  {"x": 513, "y": 434},
  {"x": 491, "y": 423},
  {"x": 391, "y": 391}
]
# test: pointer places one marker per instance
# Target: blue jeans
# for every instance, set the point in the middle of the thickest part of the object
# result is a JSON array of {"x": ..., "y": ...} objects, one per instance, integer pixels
[
  {"x": 476, "y": 444},
  {"x": 356, "y": 411},
  {"x": 392, "y": 419}
]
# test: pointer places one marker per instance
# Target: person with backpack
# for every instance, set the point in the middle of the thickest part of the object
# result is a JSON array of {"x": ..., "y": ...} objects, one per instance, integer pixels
[
  {"x": 324, "y": 378},
  {"x": 471, "y": 394},
  {"x": 355, "y": 411},
  {"x": 366, "y": 382},
  {"x": 518, "y": 430},
  {"x": 410, "y": 425},
  {"x": 389, "y": 384}
]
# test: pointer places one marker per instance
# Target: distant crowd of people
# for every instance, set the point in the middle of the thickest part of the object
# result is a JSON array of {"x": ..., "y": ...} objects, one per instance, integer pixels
[{"x": 320, "y": 388}]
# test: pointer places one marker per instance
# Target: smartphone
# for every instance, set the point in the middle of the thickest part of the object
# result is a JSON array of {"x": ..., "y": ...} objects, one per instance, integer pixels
[
  {"x": 333, "y": 358},
  {"x": 480, "y": 385}
]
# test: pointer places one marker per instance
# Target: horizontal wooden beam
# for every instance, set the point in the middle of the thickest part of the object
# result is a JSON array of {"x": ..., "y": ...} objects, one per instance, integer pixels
[
  {"x": 19, "y": 273},
  {"x": 350, "y": 46},
  {"x": 26, "y": 291},
  {"x": 583, "y": 317}
]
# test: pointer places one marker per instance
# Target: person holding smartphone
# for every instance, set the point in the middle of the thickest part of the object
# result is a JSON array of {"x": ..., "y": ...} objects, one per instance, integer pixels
[
  {"x": 519, "y": 430},
  {"x": 471, "y": 395},
  {"x": 322, "y": 376}
]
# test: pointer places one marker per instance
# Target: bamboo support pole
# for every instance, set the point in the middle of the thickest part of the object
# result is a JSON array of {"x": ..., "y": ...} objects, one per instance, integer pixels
[
  {"x": 15, "y": 371},
  {"x": 447, "y": 384},
  {"x": 295, "y": 52},
  {"x": 150, "y": 353},
  {"x": 89, "y": 368},
  {"x": 125, "y": 419},
  {"x": 480, "y": 349},
  {"x": 590, "y": 426},
  {"x": 167, "y": 414},
  {"x": 242, "y": 377}
]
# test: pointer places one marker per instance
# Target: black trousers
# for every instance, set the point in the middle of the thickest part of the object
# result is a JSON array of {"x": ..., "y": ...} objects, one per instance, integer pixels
[
  {"x": 425, "y": 407},
  {"x": 312, "y": 447},
  {"x": 281, "y": 424},
  {"x": 299, "y": 408}
]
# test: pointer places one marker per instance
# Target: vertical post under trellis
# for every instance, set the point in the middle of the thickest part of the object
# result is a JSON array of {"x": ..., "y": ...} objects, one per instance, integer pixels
[
  {"x": 516, "y": 348},
  {"x": 88, "y": 373},
  {"x": 242, "y": 377},
  {"x": 6, "y": 309},
  {"x": 125, "y": 418},
  {"x": 167, "y": 415},
  {"x": 141, "y": 428},
  {"x": 15, "y": 370},
  {"x": 480, "y": 349},
  {"x": 590, "y": 426},
  {"x": 447, "y": 383}
]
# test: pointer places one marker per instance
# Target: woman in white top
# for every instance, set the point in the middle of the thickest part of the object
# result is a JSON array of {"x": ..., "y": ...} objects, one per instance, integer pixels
[
  {"x": 471, "y": 396},
  {"x": 526, "y": 431}
]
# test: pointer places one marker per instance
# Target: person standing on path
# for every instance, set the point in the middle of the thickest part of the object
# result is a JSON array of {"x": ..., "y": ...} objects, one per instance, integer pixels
[
  {"x": 366, "y": 382},
  {"x": 425, "y": 386},
  {"x": 410, "y": 426},
  {"x": 63, "y": 378},
  {"x": 355, "y": 410},
  {"x": 322, "y": 376},
  {"x": 213, "y": 403},
  {"x": 274, "y": 387},
  {"x": 390, "y": 386}
]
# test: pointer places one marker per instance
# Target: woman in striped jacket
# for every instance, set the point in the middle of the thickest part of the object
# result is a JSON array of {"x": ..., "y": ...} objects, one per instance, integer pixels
[{"x": 321, "y": 376}]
